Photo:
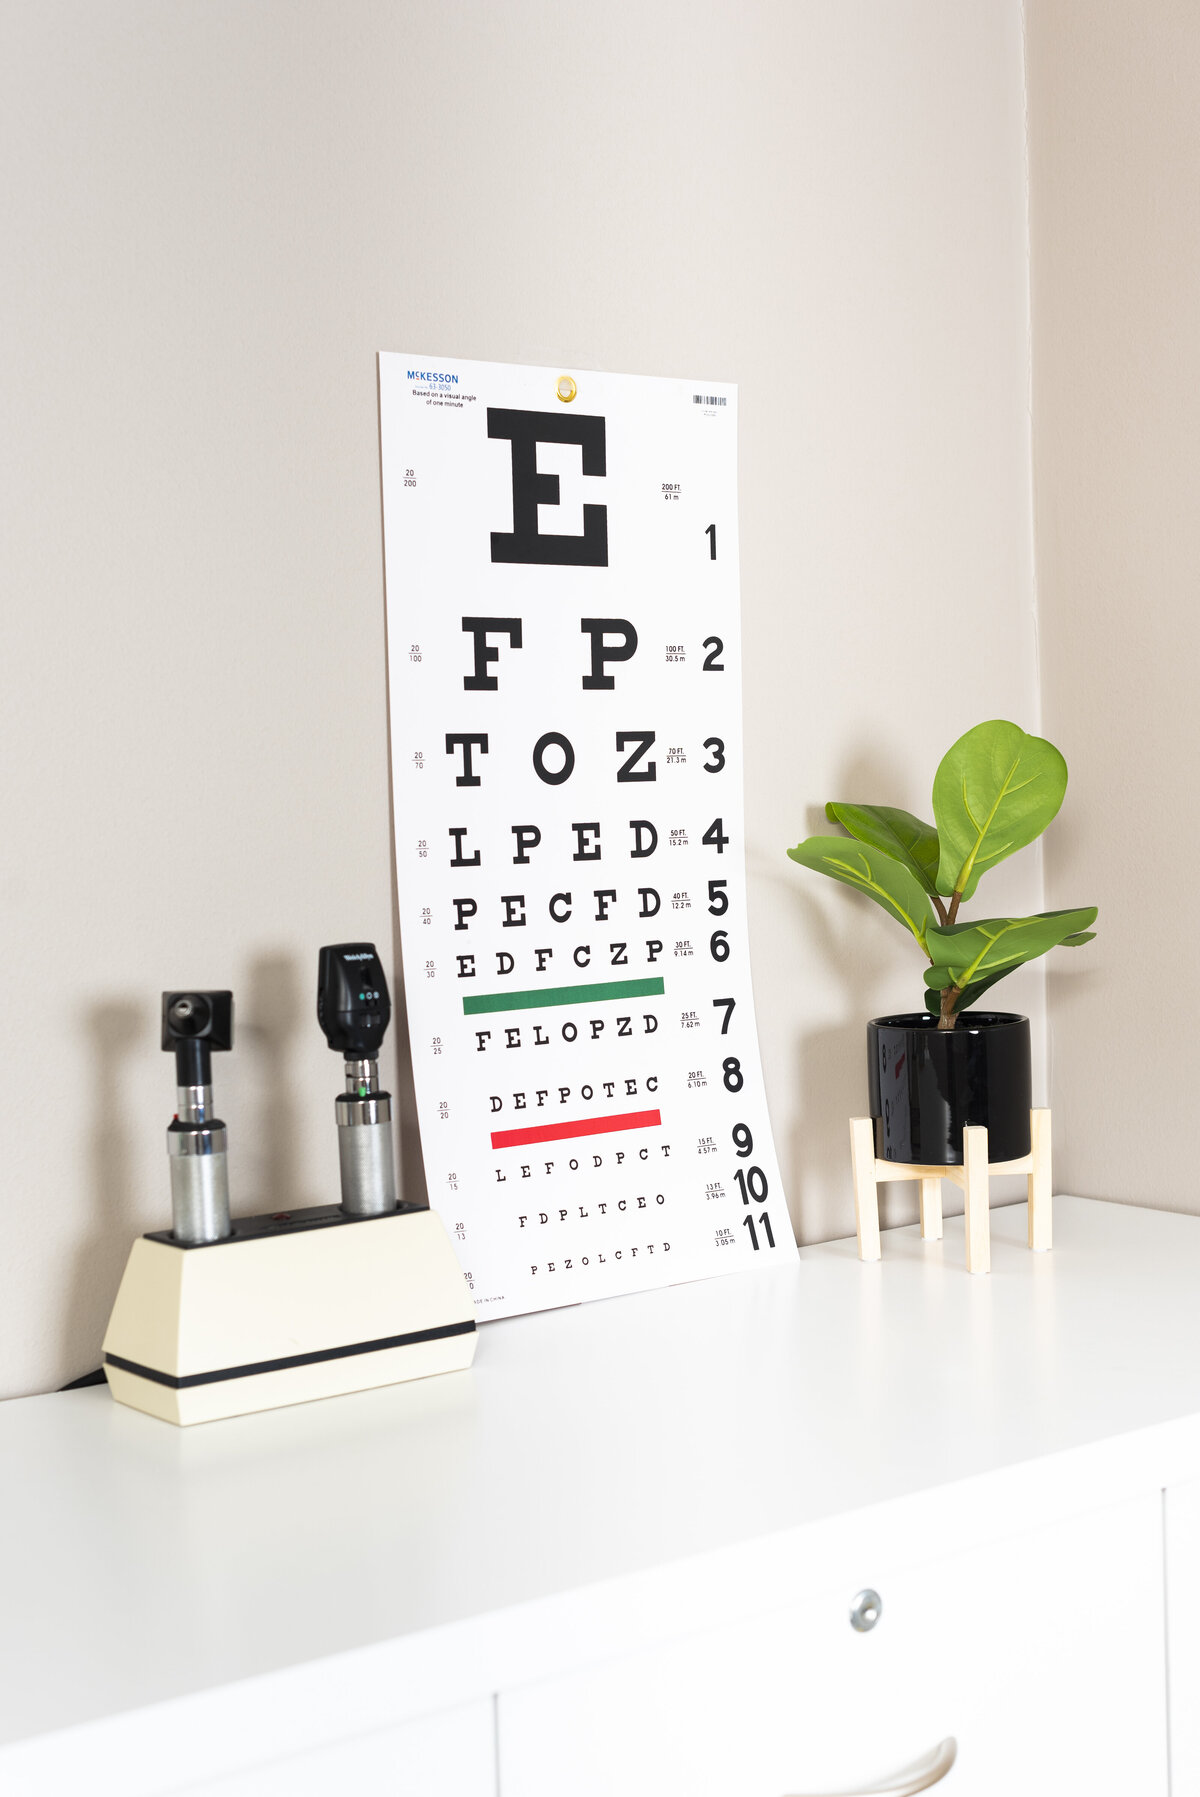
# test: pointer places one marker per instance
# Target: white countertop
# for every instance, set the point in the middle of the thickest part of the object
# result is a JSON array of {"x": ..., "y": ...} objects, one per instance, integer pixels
[{"x": 143, "y": 1562}]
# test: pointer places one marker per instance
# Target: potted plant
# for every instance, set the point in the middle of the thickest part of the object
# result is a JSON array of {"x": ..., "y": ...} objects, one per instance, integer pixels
[{"x": 933, "y": 1072}]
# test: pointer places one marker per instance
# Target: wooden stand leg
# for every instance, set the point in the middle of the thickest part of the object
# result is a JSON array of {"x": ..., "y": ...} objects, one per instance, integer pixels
[
  {"x": 931, "y": 1210},
  {"x": 975, "y": 1184},
  {"x": 1041, "y": 1219},
  {"x": 866, "y": 1193}
]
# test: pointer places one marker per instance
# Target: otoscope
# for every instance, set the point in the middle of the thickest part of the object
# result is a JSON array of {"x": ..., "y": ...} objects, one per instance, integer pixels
[
  {"x": 353, "y": 1009},
  {"x": 193, "y": 1024}
]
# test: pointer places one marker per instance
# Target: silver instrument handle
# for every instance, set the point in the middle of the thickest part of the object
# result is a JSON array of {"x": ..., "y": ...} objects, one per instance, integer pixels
[{"x": 922, "y": 1777}]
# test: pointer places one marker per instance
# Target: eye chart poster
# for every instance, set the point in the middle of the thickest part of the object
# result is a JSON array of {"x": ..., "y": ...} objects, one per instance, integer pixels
[{"x": 565, "y": 679}]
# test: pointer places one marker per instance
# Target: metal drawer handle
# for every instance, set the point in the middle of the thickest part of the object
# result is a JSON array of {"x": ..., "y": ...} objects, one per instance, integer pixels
[{"x": 931, "y": 1771}]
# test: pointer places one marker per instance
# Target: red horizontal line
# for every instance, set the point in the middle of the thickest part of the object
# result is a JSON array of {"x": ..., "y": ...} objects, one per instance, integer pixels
[{"x": 583, "y": 1126}]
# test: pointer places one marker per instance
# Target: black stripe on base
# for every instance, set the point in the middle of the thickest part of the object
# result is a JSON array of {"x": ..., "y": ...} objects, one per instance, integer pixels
[{"x": 278, "y": 1366}]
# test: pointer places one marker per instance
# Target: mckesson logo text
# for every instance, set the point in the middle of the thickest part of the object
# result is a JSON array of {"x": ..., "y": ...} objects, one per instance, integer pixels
[{"x": 414, "y": 374}]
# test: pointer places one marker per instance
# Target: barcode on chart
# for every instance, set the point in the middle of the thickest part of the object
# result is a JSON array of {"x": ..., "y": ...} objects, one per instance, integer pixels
[{"x": 708, "y": 399}]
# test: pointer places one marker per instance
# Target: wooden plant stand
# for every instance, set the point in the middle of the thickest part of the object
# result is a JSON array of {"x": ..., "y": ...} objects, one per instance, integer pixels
[{"x": 973, "y": 1176}]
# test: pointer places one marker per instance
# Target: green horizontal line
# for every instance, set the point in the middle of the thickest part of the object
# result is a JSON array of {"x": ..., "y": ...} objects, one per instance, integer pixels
[{"x": 561, "y": 995}]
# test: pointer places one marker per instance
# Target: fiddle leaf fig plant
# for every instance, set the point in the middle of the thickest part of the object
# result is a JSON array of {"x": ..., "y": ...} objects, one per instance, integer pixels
[{"x": 994, "y": 793}]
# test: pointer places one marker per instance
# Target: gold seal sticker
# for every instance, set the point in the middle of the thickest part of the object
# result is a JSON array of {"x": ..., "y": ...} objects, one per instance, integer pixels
[{"x": 566, "y": 389}]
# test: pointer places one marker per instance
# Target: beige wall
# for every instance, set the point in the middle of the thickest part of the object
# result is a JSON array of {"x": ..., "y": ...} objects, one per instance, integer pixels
[
  {"x": 1115, "y": 210},
  {"x": 213, "y": 215}
]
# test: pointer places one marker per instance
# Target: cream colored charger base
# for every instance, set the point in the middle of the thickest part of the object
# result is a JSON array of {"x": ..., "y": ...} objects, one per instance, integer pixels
[{"x": 287, "y": 1309}]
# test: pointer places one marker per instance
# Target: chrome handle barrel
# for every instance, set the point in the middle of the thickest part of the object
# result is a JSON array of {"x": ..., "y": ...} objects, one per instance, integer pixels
[
  {"x": 366, "y": 1153},
  {"x": 199, "y": 1162}
]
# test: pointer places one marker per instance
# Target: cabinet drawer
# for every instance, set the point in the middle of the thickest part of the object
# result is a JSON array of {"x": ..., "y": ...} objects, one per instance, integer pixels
[
  {"x": 1043, "y": 1656},
  {"x": 452, "y": 1754}
]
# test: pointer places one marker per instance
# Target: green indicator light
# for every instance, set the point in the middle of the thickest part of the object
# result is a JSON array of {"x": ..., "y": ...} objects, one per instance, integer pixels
[{"x": 364, "y": 1091}]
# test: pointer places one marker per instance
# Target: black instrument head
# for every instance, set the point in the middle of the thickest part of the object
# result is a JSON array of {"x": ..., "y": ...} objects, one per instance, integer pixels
[
  {"x": 353, "y": 1006},
  {"x": 193, "y": 1024},
  {"x": 197, "y": 1017}
]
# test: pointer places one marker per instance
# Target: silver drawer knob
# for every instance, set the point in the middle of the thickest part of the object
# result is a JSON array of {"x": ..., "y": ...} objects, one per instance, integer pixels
[{"x": 865, "y": 1611}]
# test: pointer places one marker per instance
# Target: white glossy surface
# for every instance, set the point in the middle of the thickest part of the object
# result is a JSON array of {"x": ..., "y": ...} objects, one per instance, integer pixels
[{"x": 786, "y": 1425}]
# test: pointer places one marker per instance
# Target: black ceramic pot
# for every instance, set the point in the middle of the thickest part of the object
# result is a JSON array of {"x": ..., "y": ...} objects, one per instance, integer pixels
[{"x": 926, "y": 1084}]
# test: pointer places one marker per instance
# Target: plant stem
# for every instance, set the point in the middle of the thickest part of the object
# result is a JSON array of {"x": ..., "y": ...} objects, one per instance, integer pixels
[
  {"x": 950, "y": 994},
  {"x": 940, "y": 909},
  {"x": 950, "y": 997}
]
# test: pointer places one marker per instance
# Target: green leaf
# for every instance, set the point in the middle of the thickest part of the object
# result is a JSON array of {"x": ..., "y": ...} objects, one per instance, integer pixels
[
  {"x": 898, "y": 833},
  {"x": 970, "y": 952},
  {"x": 968, "y": 999},
  {"x": 994, "y": 792},
  {"x": 869, "y": 870},
  {"x": 937, "y": 977}
]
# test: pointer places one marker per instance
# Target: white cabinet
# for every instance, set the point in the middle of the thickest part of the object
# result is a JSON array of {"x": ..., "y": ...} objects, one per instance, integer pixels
[
  {"x": 449, "y": 1755},
  {"x": 631, "y": 1537},
  {"x": 1183, "y": 1636},
  {"x": 1043, "y": 1656}
]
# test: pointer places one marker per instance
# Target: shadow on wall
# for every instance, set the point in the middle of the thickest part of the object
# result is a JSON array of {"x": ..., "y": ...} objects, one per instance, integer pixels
[
  {"x": 115, "y": 1029},
  {"x": 413, "y": 1187},
  {"x": 831, "y": 1071},
  {"x": 280, "y": 1011},
  {"x": 410, "y": 1170},
  {"x": 845, "y": 931}
]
